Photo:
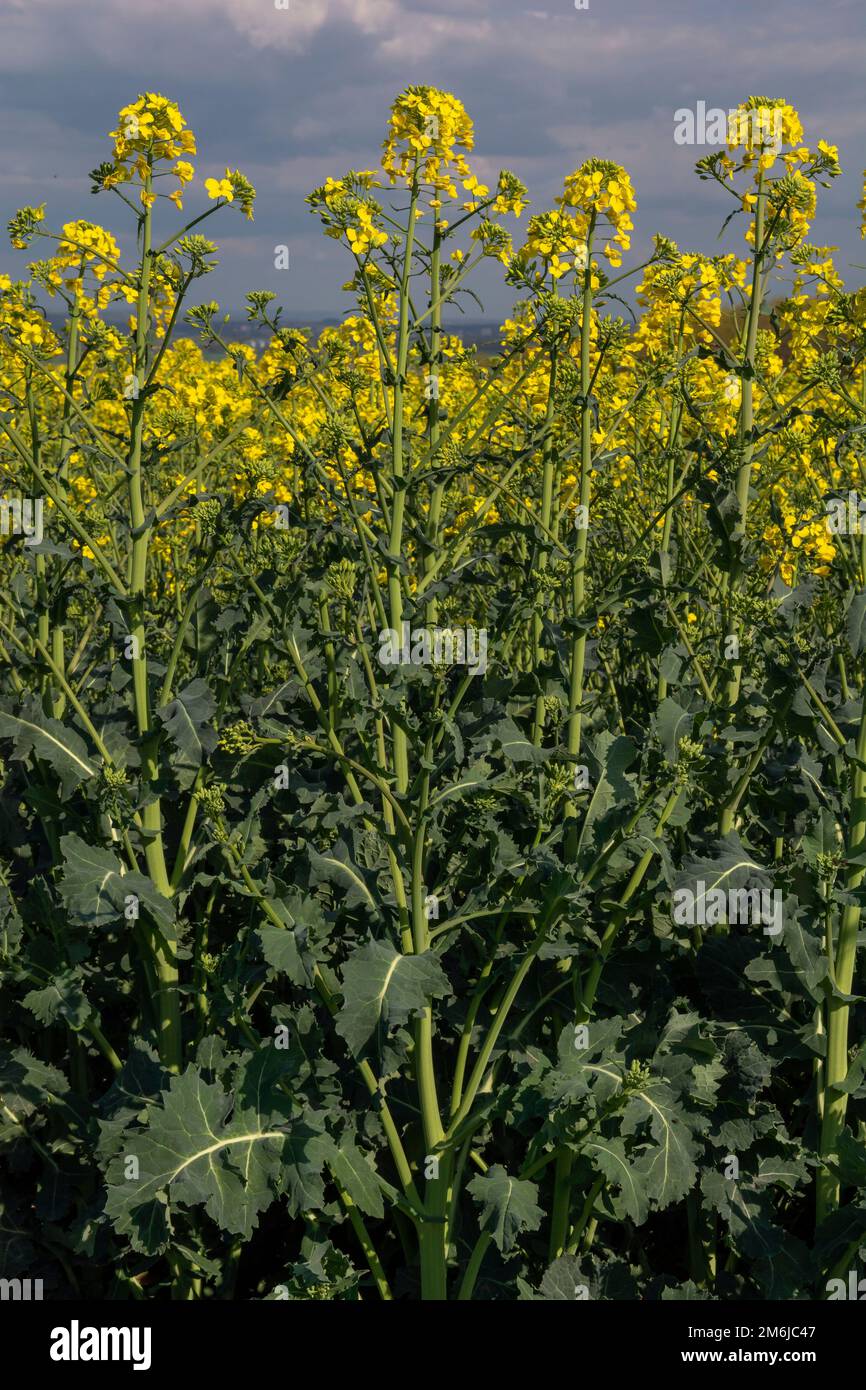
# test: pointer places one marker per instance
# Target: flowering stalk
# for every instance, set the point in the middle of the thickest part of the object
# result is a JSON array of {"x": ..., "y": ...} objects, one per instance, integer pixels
[
  {"x": 746, "y": 445},
  {"x": 170, "y": 1041},
  {"x": 579, "y": 554},
  {"x": 397, "y": 478}
]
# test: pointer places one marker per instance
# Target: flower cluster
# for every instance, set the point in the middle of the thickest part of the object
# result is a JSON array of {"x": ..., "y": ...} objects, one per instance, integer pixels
[
  {"x": 602, "y": 196},
  {"x": 150, "y": 131},
  {"x": 233, "y": 187},
  {"x": 349, "y": 213},
  {"x": 559, "y": 241},
  {"x": 428, "y": 133}
]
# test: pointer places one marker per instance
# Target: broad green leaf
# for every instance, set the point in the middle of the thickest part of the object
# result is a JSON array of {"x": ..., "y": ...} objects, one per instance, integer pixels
[
  {"x": 28, "y": 1084},
  {"x": 782, "y": 1172},
  {"x": 357, "y": 887},
  {"x": 687, "y": 1292},
  {"x": 856, "y": 1073},
  {"x": 198, "y": 1148},
  {"x": 665, "y": 1167},
  {"x": 471, "y": 779},
  {"x": 187, "y": 721},
  {"x": 611, "y": 787},
  {"x": 728, "y": 864},
  {"x": 63, "y": 998},
  {"x": 593, "y": 1069},
  {"x": 354, "y": 1171},
  {"x": 508, "y": 1205},
  {"x": 98, "y": 894},
  {"x": 564, "y": 1282},
  {"x": 610, "y": 1158},
  {"x": 824, "y": 837},
  {"x": 516, "y": 746},
  {"x": 37, "y": 735},
  {"x": 382, "y": 986},
  {"x": 806, "y": 951},
  {"x": 280, "y": 950},
  {"x": 302, "y": 1158},
  {"x": 782, "y": 1265}
]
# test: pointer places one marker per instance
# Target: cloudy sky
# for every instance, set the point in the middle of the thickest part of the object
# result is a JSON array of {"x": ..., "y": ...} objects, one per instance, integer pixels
[{"x": 291, "y": 95}]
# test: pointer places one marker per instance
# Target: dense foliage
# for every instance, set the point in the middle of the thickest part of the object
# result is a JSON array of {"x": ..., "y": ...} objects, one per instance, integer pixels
[{"x": 392, "y": 739}]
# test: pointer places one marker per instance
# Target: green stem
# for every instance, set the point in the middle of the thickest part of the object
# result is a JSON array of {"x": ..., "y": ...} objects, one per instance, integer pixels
[
  {"x": 842, "y": 973},
  {"x": 170, "y": 1040}
]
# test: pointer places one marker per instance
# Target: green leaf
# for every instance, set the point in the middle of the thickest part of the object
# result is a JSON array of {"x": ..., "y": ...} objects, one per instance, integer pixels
[
  {"x": 596, "y": 1069},
  {"x": 781, "y": 1172},
  {"x": 28, "y": 1084},
  {"x": 563, "y": 1281},
  {"x": 63, "y": 999},
  {"x": 382, "y": 986},
  {"x": 11, "y": 926},
  {"x": 280, "y": 950},
  {"x": 856, "y": 1073},
  {"x": 824, "y": 837},
  {"x": 609, "y": 1157},
  {"x": 474, "y": 778},
  {"x": 728, "y": 864},
  {"x": 508, "y": 1205},
  {"x": 516, "y": 746},
  {"x": 611, "y": 788},
  {"x": 200, "y": 1148},
  {"x": 355, "y": 1172},
  {"x": 187, "y": 721},
  {"x": 688, "y": 1292},
  {"x": 97, "y": 894},
  {"x": 672, "y": 723},
  {"x": 37, "y": 735},
  {"x": 666, "y": 1168},
  {"x": 856, "y": 623},
  {"x": 806, "y": 951},
  {"x": 340, "y": 869},
  {"x": 304, "y": 1153}
]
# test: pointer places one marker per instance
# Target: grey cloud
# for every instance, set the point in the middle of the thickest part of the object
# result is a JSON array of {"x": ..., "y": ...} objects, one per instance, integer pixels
[{"x": 291, "y": 96}]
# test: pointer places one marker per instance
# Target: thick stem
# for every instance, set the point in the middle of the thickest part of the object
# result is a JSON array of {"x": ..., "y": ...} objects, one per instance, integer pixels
[
  {"x": 547, "y": 491},
  {"x": 170, "y": 1041},
  {"x": 579, "y": 556},
  {"x": 395, "y": 540},
  {"x": 746, "y": 425},
  {"x": 560, "y": 1217},
  {"x": 842, "y": 974}
]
